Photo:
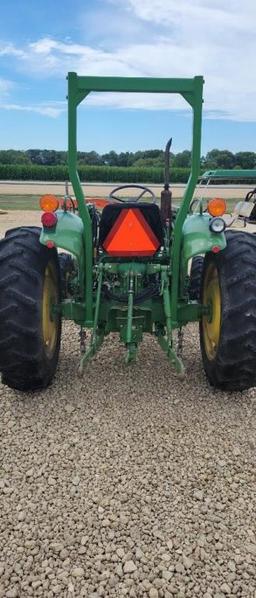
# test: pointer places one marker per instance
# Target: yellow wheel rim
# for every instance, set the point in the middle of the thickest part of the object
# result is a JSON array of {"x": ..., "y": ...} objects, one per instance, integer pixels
[
  {"x": 50, "y": 298},
  {"x": 212, "y": 322}
]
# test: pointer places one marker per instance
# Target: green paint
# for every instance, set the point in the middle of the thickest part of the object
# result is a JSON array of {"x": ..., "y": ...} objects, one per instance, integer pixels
[
  {"x": 231, "y": 174},
  {"x": 197, "y": 237},
  {"x": 196, "y": 103},
  {"x": 78, "y": 89}
]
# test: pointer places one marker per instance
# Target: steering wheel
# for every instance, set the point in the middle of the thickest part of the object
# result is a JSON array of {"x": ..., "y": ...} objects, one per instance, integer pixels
[{"x": 113, "y": 195}]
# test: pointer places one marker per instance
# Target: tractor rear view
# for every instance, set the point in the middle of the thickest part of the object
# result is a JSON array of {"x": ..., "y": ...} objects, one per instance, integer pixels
[{"x": 127, "y": 269}]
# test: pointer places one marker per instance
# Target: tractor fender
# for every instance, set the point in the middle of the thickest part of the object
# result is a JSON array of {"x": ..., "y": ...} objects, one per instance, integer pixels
[
  {"x": 197, "y": 238},
  {"x": 67, "y": 234}
]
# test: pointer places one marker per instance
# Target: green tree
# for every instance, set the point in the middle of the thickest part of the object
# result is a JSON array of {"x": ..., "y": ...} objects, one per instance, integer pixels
[
  {"x": 219, "y": 159},
  {"x": 245, "y": 159},
  {"x": 13, "y": 157},
  {"x": 90, "y": 158},
  {"x": 110, "y": 159},
  {"x": 182, "y": 159}
]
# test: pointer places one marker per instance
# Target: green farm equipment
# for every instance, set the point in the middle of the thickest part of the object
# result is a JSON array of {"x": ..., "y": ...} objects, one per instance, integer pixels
[
  {"x": 127, "y": 269},
  {"x": 243, "y": 213}
]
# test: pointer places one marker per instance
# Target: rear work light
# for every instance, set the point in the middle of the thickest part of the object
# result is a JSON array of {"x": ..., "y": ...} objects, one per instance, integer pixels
[
  {"x": 49, "y": 220},
  {"x": 217, "y": 225}
]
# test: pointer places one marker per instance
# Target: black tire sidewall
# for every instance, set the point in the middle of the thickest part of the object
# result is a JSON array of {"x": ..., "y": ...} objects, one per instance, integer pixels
[{"x": 33, "y": 367}]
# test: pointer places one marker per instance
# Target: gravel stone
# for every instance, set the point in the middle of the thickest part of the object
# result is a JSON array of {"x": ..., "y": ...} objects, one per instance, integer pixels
[
  {"x": 77, "y": 572},
  {"x": 76, "y": 481},
  {"x": 187, "y": 562},
  {"x": 64, "y": 554},
  {"x": 57, "y": 590},
  {"x": 198, "y": 494},
  {"x": 51, "y": 481},
  {"x": 166, "y": 556},
  {"x": 251, "y": 548},
  {"x": 129, "y": 567},
  {"x": 232, "y": 566},
  {"x": 179, "y": 568},
  {"x": 21, "y": 516},
  {"x": 167, "y": 574},
  {"x": 36, "y": 584},
  {"x": 119, "y": 570},
  {"x": 69, "y": 408},
  {"x": 225, "y": 588}
]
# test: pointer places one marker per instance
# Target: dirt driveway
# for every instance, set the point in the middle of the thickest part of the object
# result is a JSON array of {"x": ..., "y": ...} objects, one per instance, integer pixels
[
  {"x": 18, "y": 218},
  {"x": 103, "y": 189}
]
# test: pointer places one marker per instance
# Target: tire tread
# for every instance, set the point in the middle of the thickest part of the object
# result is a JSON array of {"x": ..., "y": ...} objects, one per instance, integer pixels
[{"x": 234, "y": 367}]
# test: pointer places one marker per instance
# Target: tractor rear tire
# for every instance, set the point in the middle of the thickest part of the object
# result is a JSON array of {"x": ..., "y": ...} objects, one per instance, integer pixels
[
  {"x": 228, "y": 334},
  {"x": 29, "y": 333},
  {"x": 195, "y": 277},
  {"x": 12, "y": 231}
]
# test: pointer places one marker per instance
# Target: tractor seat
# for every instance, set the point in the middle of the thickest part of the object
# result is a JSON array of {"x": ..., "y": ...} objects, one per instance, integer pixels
[{"x": 131, "y": 229}]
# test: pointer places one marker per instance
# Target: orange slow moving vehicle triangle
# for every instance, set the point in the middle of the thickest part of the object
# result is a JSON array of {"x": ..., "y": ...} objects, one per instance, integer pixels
[{"x": 131, "y": 235}]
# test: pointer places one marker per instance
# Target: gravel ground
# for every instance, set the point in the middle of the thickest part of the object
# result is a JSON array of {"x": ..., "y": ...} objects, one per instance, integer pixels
[
  {"x": 129, "y": 482},
  {"x": 18, "y": 218}
]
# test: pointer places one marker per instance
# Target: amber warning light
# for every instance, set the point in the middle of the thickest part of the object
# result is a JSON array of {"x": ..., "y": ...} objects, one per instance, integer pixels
[
  {"x": 49, "y": 203},
  {"x": 217, "y": 206}
]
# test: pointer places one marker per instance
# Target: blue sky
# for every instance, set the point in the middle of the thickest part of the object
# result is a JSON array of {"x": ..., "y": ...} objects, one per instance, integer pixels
[{"x": 40, "y": 41}]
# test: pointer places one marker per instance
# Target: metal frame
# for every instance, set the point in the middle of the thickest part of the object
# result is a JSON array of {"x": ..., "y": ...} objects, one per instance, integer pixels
[
  {"x": 192, "y": 91},
  {"x": 236, "y": 174}
]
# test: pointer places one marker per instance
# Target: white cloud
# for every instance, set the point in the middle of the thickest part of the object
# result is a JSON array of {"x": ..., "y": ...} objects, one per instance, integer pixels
[
  {"x": 188, "y": 15},
  {"x": 5, "y": 86},
  {"x": 10, "y": 50},
  {"x": 214, "y": 38},
  {"x": 44, "y": 110},
  {"x": 137, "y": 101}
]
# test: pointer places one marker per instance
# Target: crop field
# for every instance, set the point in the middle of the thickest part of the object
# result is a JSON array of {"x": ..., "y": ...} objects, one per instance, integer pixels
[{"x": 129, "y": 481}]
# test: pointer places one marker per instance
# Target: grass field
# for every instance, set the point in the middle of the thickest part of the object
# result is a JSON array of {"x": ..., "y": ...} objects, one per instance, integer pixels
[
  {"x": 19, "y": 202},
  {"x": 31, "y": 202}
]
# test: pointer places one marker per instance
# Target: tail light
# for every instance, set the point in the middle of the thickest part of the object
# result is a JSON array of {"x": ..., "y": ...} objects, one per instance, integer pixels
[{"x": 49, "y": 219}]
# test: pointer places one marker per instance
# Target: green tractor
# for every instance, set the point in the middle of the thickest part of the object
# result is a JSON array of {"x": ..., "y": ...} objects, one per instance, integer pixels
[{"x": 127, "y": 269}]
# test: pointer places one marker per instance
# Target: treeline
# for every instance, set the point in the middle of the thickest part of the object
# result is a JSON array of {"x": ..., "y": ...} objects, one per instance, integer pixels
[{"x": 141, "y": 159}]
